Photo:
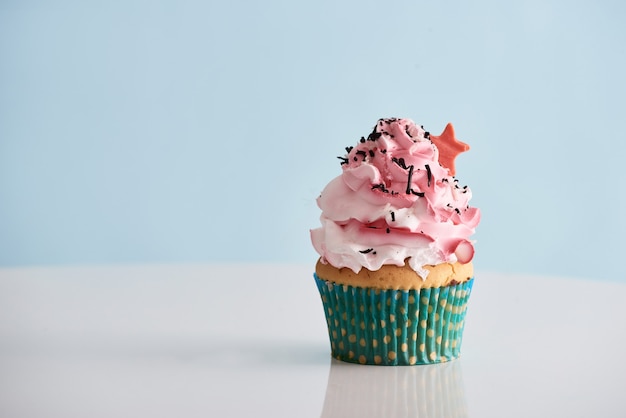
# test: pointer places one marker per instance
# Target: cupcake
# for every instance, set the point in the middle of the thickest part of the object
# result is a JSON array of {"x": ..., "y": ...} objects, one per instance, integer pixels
[{"x": 395, "y": 269}]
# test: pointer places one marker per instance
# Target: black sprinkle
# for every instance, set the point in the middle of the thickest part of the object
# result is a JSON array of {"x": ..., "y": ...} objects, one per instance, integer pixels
[
  {"x": 429, "y": 174},
  {"x": 372, "y": 153},
  {"x": 369, "y": 250},
  {"x": 384, "y": 151},
  {"x": 362, "y": 153},
  {"x": 410, "y": 190},
  {"x": 348, "y": 149},
  {"x": 388, "y": 230},
  {"x": 400, "y": 162},
  {"x": 427, "y": 135},
  {"x": 457, "y": 210},
  {"x": 374, "y": 136},
  {"x": 362, "y": 140},
  {"x": 344, "y": 160},
  {"x": 408, "y": 182},
  {"x": 380, "y": 186},
  {"x": 406, "y": 129},
  {"x": 393, "y": 216}
]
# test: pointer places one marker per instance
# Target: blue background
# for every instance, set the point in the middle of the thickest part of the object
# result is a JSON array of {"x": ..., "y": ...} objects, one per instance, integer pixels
[{"x": 167, "y": 132}]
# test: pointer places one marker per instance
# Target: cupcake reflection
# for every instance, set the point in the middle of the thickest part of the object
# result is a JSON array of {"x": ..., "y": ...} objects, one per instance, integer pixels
[{"x": 372, "y": 391}]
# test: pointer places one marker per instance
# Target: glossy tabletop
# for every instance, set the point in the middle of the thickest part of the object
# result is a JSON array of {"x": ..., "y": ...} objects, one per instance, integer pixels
[{"x": 250, "y": 340}]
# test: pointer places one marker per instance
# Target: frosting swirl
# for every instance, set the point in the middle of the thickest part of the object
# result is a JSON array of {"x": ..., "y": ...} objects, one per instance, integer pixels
[{"x": 395, "y": 202}]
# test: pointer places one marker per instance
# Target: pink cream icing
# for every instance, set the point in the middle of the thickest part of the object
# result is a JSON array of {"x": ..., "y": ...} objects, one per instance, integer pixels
[{"x": 395, "y": 201}]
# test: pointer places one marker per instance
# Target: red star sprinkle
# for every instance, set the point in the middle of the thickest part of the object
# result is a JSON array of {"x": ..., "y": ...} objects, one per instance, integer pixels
[{"x": 449, "y": 147}]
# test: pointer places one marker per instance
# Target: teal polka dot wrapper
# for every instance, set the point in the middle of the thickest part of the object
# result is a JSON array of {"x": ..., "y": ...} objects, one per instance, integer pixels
[{"x": 394, "y": 327}]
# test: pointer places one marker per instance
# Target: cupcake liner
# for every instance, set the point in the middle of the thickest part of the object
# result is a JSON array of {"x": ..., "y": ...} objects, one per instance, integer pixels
[{"x": 394, "y": 327}]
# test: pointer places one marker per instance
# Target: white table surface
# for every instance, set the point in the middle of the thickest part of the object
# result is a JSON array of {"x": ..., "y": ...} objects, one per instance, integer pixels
[{"x": 250, "y": 340}]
